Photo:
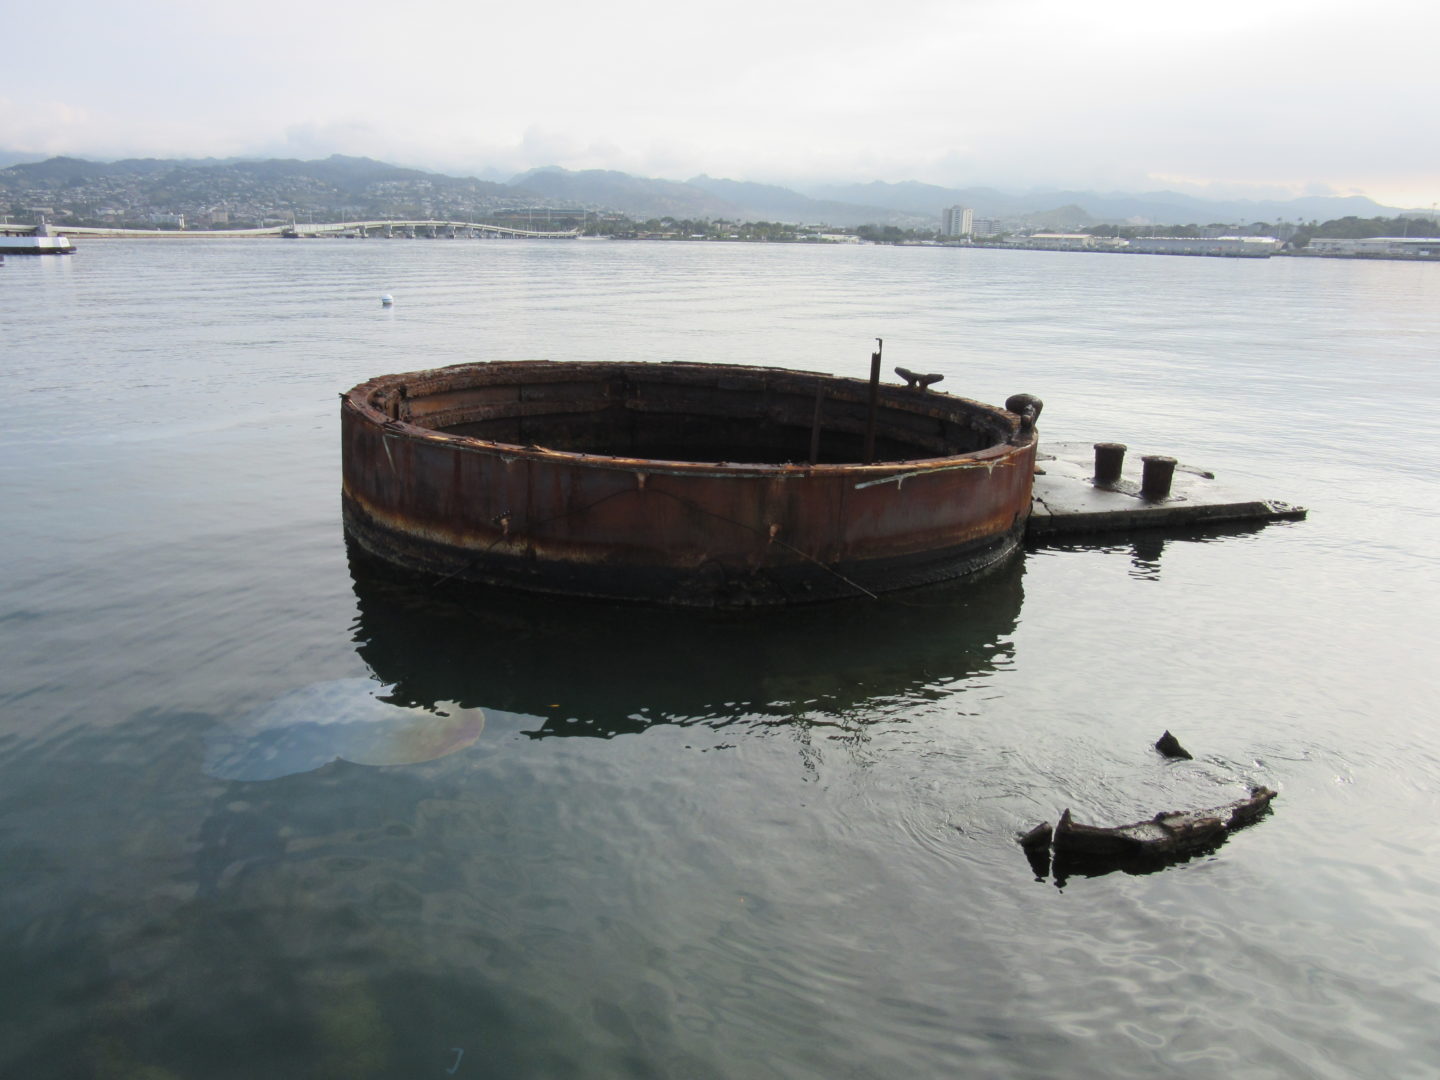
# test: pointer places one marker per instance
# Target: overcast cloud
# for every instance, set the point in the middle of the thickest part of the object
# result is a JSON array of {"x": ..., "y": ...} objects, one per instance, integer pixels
[{"x": 1230, "y": 97}]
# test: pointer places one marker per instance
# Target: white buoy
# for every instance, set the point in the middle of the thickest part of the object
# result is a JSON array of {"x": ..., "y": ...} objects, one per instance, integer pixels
[{"x": 386, "y": 300}]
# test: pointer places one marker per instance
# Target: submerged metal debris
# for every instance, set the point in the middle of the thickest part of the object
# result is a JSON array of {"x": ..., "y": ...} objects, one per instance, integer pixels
[
  {"x": 1170, "y": 746},
  {"x": 1168, "y": 837},
  {"x": 1174, "y": 832}
]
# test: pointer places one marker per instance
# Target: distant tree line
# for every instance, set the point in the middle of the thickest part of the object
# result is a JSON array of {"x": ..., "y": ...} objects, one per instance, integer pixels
[
  {"x": 1130, "y": 232},
  {"x": 1356, "y": 228},
  {"x": 670, "y": 228},
  {"x": 1298, "y": 235},
  {"x": 893, "y": 234}
]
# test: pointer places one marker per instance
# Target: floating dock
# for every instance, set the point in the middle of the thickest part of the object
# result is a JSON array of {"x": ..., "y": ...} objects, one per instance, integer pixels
[{"x": 1084, "y": 488}]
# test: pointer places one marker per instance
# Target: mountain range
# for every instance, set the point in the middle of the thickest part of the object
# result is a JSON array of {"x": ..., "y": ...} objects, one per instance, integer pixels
[
  {"x": 354, "y": 184},
  {"x": 915, "y": 204}
]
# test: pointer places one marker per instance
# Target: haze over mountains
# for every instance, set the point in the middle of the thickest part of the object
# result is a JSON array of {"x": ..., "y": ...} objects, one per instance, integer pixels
[{"x": 362, "y": 186}]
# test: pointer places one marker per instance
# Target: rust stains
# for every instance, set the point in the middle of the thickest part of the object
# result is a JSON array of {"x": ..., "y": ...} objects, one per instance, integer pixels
[{"x": 679, "y": 483}]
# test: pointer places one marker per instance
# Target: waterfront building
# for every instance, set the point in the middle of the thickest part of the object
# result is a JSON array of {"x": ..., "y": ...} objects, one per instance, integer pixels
[
  {"x": 1058, "y": 241},
  {"x": 1238, "y": 246},
  {"x": 957, "y": 221},
  {"x": 1389, "y": 247}
]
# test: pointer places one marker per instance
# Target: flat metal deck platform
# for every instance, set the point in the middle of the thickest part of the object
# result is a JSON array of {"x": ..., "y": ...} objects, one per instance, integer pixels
[{"x": 1066, "y": 501}]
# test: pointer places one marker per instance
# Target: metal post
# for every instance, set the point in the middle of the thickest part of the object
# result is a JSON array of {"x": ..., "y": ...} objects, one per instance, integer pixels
[
  {"x": 1158, "y": 474},
  {"x": 815, "y": 424},
  {"x": 1109, "y": 461},
  {"x": 869, "y": 458}
]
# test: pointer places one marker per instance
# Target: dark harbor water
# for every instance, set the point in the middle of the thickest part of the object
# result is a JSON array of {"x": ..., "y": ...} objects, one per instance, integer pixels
[{"x": 589, "y": 841}]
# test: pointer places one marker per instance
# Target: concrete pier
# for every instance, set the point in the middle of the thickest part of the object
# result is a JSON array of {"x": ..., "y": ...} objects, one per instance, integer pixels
[{"x": 1068, "y": 500}]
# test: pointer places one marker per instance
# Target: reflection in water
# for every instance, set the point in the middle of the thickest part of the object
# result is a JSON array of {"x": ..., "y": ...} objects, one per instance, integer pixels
[
  {"x": 1146, "y": 546},
  {"x": 1065, "y": 868},
  {"x": 345, "y": 720},
  {"x": 344, "y": 922},
  {"x": 368, "y": 921},
  {"x": 601, "y": 669},
  {"x": 371, "y": 921},
  {"x": 1146, "y": 550}
]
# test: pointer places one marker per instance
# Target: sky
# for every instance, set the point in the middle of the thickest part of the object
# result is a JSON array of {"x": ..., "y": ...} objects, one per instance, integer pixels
[{"x": 1228, "y": 98}]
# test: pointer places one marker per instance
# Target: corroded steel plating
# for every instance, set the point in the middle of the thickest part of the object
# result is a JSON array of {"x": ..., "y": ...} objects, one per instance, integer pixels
[{"x": 567, "y": 478}]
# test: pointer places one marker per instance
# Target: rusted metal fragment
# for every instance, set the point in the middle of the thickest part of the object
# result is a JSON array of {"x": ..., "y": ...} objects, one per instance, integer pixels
[
  {"x": 1038, "y": 837},
  {"x": 1164, "y": 836},
  {"x": 1036, "y": 843},
  {"x": 1170, "y": 746},
  {"x": 678, "y": 483}
]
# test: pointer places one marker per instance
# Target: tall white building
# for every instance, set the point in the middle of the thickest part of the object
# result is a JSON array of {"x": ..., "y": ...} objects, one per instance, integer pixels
[{"x": 957, "y": 221}]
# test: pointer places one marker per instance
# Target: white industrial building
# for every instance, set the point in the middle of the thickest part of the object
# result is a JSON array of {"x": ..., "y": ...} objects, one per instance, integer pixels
[
  {"x": 1253, "y": 247},
  {"x": 1056, "y": 241},
  {"x": 1417, "y": 247}
]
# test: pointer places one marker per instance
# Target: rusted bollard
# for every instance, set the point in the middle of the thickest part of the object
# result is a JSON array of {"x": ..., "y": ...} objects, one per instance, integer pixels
[
  {"x": 1109, "y": 460},
  {"x": 1158, "y": 474}
]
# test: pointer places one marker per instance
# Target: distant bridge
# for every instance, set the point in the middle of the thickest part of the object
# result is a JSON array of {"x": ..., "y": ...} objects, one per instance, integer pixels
[{"x": 411, "y": 229}]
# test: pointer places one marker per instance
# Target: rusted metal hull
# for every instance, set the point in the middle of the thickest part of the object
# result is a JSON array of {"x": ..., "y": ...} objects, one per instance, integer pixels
[{"x": 569, "y": 478}]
